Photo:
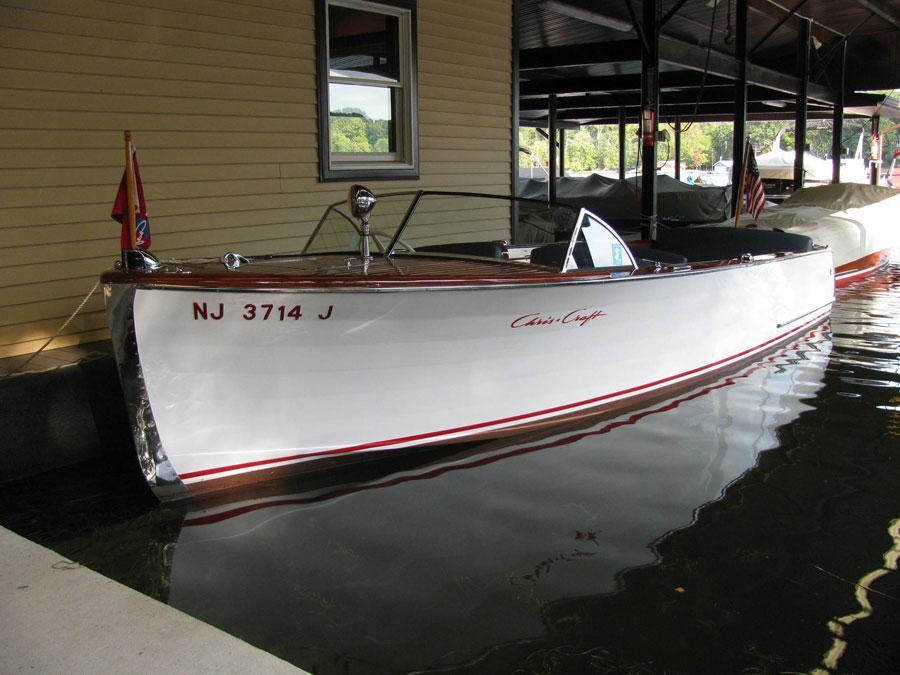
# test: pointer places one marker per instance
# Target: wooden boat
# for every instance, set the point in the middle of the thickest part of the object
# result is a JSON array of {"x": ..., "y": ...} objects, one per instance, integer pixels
[
  {"x": 342, "y": 532},
  {"x": 431, "y": 318}
]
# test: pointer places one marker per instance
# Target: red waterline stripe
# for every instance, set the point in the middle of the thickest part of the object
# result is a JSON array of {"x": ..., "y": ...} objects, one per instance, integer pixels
[
  {"x": 434, "y": 473},
  {"x": 845, "y": 278},
  {"x": 503, "y": 421},
  {"x": 484, "y": 461}
]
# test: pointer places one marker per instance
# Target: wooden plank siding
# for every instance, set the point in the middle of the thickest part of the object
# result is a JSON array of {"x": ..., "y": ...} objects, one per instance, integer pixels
[{"x": 221, "y": 99}]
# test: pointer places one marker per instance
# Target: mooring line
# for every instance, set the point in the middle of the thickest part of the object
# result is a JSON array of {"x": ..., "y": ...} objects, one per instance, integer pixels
[{"x": 58, "y": 332}]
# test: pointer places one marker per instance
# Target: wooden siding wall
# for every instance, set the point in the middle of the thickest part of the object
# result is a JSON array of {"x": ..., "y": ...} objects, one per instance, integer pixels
[{"x": 220, "y": 97}]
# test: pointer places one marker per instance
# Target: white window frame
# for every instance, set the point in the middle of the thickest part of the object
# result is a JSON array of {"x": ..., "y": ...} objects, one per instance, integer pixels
[{"x": 404, "y": 162}]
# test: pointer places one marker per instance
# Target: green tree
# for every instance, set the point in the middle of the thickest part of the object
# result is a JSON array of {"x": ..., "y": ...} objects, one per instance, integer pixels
[
  {"x": 377, "y": 133},
  {"x": 582, "y": 150},
  {"x": 596, "y": 148},
  {"x": 348, "y": 134}
]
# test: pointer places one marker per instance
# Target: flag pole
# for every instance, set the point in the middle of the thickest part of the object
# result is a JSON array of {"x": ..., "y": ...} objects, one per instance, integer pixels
[
  {"x": 740, "y": 192},
  {"x": 131, "y": 190}
]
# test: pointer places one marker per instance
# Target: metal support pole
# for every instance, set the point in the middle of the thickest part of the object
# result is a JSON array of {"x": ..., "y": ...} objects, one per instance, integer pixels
[
  {"x": 562, "y": 153},
  {"x": 516, "y": 172},
  {"x": 649, "y": 116},
  {"x": 739, "y": 133},
  {"x": 551, "y": 169},
  {"x": 875, "y": 151},
  {"x": 677, "y": 148},
  {"x": 837, "y": 120},
  {"x": 800, "y": 120},
  {"x": 621, "y": 143}
]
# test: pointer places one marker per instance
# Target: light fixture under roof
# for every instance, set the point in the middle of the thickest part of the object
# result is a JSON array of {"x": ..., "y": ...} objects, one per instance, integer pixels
[{"x": 588, "y": 15}]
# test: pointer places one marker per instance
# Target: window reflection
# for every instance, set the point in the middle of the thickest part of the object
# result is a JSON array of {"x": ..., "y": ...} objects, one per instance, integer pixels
[
  {"x": 362, "y": 118},
  {"x": 363, "y": 44}
]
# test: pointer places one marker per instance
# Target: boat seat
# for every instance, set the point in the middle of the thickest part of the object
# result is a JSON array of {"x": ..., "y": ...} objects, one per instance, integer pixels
[
  {"x": 482, "y": 249},
  {"x": 552, "y": 255},
  {"x": 648, "y": 256},
  {"x": 723, "y": 243}
]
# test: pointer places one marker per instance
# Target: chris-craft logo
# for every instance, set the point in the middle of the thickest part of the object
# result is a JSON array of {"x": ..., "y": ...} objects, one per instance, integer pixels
[{"x": 577, "y": 317}]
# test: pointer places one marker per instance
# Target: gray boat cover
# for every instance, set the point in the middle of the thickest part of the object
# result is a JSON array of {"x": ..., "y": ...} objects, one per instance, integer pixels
[{"x": 618, "y": 202}]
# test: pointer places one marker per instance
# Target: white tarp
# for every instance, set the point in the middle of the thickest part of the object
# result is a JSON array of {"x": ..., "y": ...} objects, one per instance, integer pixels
[
  {"x": 778, "y": 164},
  {"x": 853, "y": 220}
]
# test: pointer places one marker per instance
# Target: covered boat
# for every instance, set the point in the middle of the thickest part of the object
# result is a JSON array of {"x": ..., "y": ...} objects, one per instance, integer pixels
[
  {"x": 859, "y": 223},
  {"x": 431, "y": 318},
  {"x": 619, "y": 201}
]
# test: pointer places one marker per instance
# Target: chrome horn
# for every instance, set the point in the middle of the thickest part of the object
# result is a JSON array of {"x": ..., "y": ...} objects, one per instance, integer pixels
[{"x": 362, "y": 201}]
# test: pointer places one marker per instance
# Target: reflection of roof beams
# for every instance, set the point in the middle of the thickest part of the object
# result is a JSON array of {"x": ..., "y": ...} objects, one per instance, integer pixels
[{"x": 671, "y": 51}]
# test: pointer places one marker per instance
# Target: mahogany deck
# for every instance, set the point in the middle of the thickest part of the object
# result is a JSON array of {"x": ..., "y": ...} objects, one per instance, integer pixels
[{"x": 346, "y": 271}]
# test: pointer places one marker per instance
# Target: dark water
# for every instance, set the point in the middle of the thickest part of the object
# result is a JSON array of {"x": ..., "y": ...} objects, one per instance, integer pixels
[{"x": 743, "y": 526}]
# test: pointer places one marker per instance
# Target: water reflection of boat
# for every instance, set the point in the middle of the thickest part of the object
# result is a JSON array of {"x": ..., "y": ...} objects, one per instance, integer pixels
[
  {"x": 415, "y": 584},
  {"x": 237, "y": 366}
]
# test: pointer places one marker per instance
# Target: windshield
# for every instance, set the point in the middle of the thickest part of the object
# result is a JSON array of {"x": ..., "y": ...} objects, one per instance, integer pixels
[
  {"x": 338, "y": 231},
  {"x": 442, "y": 222},
  {"x": 603, "y": 246}
]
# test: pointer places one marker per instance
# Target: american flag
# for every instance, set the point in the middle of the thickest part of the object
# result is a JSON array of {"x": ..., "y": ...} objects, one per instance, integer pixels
[{"x": 755, "y": 197}]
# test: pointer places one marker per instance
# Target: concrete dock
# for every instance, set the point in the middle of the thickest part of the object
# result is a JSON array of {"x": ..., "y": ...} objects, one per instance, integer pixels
[{"x": 59, "y": 617}]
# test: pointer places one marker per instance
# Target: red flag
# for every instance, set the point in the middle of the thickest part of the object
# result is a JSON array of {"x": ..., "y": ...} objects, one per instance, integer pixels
[
  {"x": 754, "y": 195},
  {"x": 120, "y": 210}
]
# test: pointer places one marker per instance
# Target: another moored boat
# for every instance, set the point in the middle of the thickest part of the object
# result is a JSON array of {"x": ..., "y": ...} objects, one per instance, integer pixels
[
  {"x": 430, "y": 318},
  {"x": 859, "y": 223}
]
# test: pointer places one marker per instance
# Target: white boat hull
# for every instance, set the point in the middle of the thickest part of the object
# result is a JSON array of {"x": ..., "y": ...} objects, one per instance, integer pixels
[{"x": 228, "y": 391}]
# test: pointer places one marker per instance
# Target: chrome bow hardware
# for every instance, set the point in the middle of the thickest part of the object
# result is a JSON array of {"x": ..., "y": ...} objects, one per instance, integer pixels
[
  {"x": 362, "y": 201},
  {"x": 233, "y": 260}
]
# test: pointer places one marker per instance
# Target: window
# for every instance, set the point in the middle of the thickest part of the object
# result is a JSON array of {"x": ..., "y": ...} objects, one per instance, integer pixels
[{"x": 367, "y": 89}]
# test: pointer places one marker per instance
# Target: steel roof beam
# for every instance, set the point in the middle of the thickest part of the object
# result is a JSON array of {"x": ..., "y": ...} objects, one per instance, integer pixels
[
  {"x": 541, "y": 123},
  {"x": 764, "y": 7},
  {"x": 825, "y": 59},
  {"x": 712, "y": 95},
  {"x": 683, "y": 110},
  {"x": 672, "y": 12},
  {"x": 672, "y": 51},
  {"x": 778, "y": 25},
  {"x": 723, "y": 65},
  {"x": 878, "y": 9},
  {"x": 618, "y": 83},
  {"x": 633, "y": 117},
  {"x": 589, "y": 54}
]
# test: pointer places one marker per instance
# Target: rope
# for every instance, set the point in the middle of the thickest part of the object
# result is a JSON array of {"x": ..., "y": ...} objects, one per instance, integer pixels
[{"x": 57, "y": 334}]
